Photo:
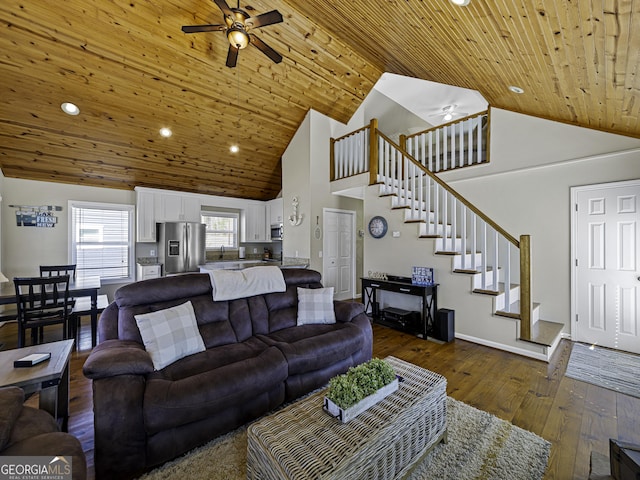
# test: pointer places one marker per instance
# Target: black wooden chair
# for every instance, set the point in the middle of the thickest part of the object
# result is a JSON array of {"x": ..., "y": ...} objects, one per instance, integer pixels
[
  {"x": 42, "y": 301},
  {"x": 57, "y": 270}
]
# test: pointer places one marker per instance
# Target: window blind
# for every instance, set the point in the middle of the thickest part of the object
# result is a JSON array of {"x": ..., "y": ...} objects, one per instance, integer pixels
[{"x": 102, "y": 243}]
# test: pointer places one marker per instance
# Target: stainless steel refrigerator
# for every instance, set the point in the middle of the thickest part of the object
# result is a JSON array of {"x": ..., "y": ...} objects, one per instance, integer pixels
[{"x": 181, "y": 246}]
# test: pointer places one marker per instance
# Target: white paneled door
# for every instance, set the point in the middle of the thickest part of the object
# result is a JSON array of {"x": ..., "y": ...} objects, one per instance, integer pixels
[
  {"x": 607, "y": 270},
  {"x": 339, "y": 256}
]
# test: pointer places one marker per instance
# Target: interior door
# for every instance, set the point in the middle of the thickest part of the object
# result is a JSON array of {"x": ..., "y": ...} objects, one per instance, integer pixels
[
  {"x": 339, "y": 255},
  {"x": 607, "y": 271}
]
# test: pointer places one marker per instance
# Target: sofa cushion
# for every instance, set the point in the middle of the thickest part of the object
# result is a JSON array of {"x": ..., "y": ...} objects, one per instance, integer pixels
[
  {"x": 170, "y": 334},
  {"x": 312, "y": 347},
  {"x": 11, "y": 400},
  {"x": 209, "y": 382},
  {"x": 315, "y": 305}
]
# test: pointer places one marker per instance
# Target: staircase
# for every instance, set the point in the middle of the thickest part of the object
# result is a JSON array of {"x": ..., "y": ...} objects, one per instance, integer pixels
[{"x": 498, "y": 265}]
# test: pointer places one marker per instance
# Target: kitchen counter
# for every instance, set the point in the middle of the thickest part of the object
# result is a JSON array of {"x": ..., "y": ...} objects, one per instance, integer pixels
[{"x": 242, "y": 264}]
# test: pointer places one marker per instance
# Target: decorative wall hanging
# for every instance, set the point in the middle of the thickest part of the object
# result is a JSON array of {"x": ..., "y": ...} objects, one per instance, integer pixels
[
  {"x": 295, "y": 219},
  {"x": 317, "y": 233},
  {"x": 36, "y": 216}
]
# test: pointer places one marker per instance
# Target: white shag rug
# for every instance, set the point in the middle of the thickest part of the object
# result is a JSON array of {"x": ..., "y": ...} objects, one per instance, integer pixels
[{"x": 480, "y": 446}]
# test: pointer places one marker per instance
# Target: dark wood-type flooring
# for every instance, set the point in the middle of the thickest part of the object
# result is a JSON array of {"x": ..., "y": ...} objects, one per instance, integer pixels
[{"x": 574, "y": 416}]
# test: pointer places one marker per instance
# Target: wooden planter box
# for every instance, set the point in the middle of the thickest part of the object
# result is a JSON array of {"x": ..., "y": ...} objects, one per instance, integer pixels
[{"x": 352, "y": 412}]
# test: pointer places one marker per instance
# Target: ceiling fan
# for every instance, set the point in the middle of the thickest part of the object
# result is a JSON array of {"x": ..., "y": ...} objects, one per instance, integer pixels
[
  {"x": 237, "y": 24},
  {"x": 449, "y": 112}
]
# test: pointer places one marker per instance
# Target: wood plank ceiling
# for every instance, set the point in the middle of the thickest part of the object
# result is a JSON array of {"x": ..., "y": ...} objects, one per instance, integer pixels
[{"x": 131, "y": 71}]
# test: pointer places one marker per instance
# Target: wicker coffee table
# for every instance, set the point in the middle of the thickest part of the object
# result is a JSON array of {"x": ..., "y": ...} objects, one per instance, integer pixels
[{"x": 387, "y": 441}]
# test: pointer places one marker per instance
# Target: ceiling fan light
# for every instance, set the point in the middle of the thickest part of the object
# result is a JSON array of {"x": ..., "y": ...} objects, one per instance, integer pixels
[
  {"x": 448, "y": 117},
  {"x": 238, "y": 37}
]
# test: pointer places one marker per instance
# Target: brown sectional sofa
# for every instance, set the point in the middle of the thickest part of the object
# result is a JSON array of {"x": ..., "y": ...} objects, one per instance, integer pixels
[
  {"x": 256, "y": 358},
  {"x": 27, "y": 431}
]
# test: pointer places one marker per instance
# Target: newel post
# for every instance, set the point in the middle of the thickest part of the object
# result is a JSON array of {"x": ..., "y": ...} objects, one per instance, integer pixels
[
  {"x": 373, "y": 152},
  {"x": 332, "y": 159},
  {"x": 525, "y": 287}
]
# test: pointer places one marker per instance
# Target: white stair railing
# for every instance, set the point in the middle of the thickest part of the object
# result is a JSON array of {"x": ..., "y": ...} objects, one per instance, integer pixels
[
  {"x": 458, "y": 226},
  {"x": 457, "y": 144}
]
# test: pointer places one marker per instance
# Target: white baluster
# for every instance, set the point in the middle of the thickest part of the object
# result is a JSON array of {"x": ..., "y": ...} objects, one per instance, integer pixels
[
  {"x": 496, "y": 262},
  {"x": 507, "y": 278},
  {"x": 454, "y": 222},
  {"x": 463, "y": 235},
  {"x": 485, "y": 254},
  {"x": 474, "y": 241}
]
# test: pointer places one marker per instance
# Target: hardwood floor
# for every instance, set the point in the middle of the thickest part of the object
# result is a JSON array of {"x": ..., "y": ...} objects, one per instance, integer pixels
[{"x": 574, "y": 416}]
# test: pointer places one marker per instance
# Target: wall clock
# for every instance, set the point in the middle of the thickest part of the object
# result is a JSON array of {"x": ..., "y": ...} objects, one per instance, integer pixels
[{"x": 378, "y": 227}]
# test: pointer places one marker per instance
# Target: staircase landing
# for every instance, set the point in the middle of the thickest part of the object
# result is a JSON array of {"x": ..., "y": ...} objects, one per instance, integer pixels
[{"x": 544, "y": 333}]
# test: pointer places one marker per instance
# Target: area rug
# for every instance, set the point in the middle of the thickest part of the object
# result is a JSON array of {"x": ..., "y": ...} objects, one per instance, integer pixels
[
  {"x": 480, "y": 446},
  {"x": 605, "y": 368}
]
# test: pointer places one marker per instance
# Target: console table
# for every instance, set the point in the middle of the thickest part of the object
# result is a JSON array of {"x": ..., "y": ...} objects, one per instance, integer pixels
[{"x": 428, "y": 293}]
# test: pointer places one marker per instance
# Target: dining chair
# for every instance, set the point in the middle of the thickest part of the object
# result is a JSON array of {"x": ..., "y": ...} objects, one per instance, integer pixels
[
  {"x": 57, "y": 270},
  {"x": 41, "y": 301}
]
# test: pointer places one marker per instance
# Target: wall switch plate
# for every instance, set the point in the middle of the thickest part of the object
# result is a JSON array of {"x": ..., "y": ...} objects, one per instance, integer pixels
[
  {"x": 320, "y": 254},
  {"x": 395, "y": 234},
  {"x": 152, "y": 253},
  {"x": 255, "y": 250}
]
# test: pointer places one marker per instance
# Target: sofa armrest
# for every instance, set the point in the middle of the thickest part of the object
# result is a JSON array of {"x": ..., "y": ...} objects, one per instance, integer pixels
[
  {"x": 117, "y": 357},
  {"x": 347, "y": 310}
]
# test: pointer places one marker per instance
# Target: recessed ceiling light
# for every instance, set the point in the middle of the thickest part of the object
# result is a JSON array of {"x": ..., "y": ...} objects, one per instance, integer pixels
[
  {"x": 166, "y": 132},
  {"x": 515, "y": 89},
  {"x": 461, "y": 3},
  {"x": 234, "y": 149},
  {"x": 69, "y": 108}
]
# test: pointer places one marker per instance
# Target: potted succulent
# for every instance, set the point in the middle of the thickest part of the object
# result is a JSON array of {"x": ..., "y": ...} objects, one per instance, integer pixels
[{"x": 361, "y": 387}]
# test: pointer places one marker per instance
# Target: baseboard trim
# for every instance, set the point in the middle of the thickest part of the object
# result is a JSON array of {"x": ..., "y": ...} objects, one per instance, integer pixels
[{"x": 506, "y": 348}]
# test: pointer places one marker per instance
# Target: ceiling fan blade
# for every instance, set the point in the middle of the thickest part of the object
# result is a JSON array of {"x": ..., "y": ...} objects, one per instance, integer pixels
[
  {"x": 264, "y": 19},
  {"x": 266, "y": 49},
  {"x": 232, "y": 56},
  {"x": 202, "y": 28},
  {"x": 222, "y": 5}
]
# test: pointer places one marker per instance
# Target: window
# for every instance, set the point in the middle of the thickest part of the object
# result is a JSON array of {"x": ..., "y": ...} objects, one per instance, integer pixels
[
  {"x": 102, "y": 241},
  {"x": 222, "y": 229}
]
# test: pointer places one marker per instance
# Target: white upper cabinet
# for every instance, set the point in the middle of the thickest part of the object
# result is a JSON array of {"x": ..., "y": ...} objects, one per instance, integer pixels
[
  {"x": 145, "y": 216},
  {"x": 276, "y": 210},
  {"x": 172, "y": 207},
  {"x": 255, "y": 224}
]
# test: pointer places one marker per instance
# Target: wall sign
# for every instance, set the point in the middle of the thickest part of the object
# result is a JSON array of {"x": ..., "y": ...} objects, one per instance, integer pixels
[{"x": 36, "y": 216}]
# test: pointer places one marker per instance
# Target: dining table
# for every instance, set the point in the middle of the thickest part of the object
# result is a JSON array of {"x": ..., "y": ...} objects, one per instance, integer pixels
[{"x": 86, "y": 286}]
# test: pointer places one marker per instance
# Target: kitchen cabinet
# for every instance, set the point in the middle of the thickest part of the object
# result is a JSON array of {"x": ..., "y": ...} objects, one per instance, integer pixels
[
  {"x": 170, "y": 207},
  {"x": 145, "y": 217},
  {"x": 145, "y": 272},
  {"x": 276, "y": 211},
  {"x": 255, "y": 227}
]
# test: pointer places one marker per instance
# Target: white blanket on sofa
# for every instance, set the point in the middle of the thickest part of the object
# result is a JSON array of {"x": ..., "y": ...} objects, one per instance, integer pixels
[{"x": 232, "y": 284}]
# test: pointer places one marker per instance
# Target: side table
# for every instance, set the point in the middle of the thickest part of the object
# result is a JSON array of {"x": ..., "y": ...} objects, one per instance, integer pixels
[{"x": 50, "y": 378}]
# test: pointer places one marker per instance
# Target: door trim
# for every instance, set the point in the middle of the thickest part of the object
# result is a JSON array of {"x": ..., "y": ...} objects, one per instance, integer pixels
[
  {"x": 352, "y": 213},
  {"x": 574, "y": 249}
]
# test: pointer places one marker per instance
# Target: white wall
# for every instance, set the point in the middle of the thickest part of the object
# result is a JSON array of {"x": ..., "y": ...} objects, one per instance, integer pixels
[{"x": 24, "y": 249}]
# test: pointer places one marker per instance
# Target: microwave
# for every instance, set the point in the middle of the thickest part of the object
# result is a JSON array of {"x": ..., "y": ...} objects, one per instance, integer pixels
[{"x": 276, "y": 231}]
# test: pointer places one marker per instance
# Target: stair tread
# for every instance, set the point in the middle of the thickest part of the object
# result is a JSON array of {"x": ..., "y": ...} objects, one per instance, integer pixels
[
  {"x": 544, "y": 332},
  {"x": 488, "y": 291}
]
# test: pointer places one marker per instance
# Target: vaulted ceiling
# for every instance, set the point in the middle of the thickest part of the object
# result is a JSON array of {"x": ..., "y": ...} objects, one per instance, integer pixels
[{"x": 131, "y": 70}]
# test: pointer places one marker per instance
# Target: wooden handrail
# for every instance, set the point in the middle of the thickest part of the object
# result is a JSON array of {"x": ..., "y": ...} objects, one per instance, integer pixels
[
  {"x": 452, "y": 122},
  {"x": 352, "y": 133},
  {"x": 453, "y": 192}
]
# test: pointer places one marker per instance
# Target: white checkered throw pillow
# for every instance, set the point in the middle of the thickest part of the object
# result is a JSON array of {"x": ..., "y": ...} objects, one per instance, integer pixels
[
  {"x": 315, "y": 305},
  {"x": 170, "y": 334}
]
